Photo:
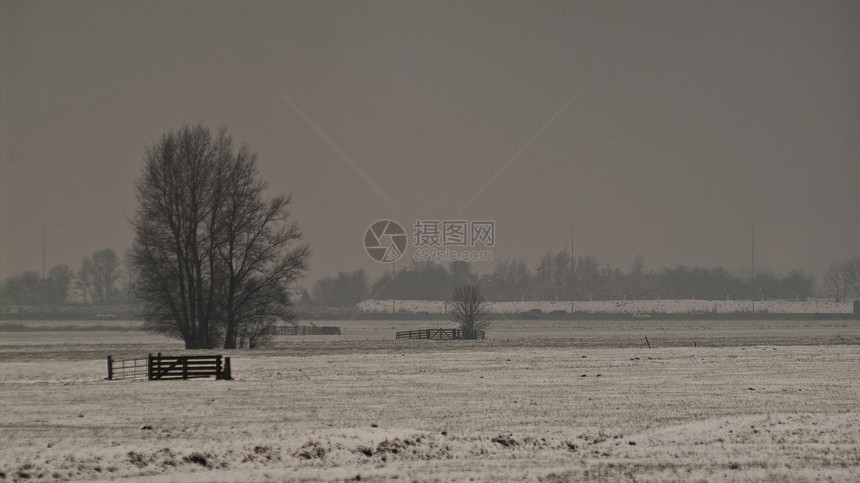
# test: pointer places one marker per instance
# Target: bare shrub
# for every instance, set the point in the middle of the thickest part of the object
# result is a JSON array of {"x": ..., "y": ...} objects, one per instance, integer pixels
[{"x": 469, "y": 309}]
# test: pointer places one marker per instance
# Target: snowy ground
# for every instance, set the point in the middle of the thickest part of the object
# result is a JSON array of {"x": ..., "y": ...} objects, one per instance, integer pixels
[
  {"x": 625, "y": 306},
  {"x": 540, "y": 400}
]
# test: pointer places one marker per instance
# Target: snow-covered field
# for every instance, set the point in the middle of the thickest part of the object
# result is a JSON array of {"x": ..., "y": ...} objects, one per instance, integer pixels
[
  {"x": 625, "y": 306},
  {"x": 540, "y": 401}
]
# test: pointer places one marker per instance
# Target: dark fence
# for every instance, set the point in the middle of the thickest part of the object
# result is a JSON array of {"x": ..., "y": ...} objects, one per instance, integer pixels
[
  {"x": 159, "y": 368},
  {"x": 306, "y": 330},
  {"x": 440, "y": 334}
]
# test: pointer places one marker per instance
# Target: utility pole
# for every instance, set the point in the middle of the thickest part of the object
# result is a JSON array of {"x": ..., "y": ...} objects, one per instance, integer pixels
[
  {"x": 570, "y": 274},
  {"x": 43, "y": 250},
  {"x": 752, "y": 243}
]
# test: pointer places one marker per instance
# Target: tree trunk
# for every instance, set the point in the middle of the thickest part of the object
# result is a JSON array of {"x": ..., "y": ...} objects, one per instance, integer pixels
[{"x": 230, "y": 336}]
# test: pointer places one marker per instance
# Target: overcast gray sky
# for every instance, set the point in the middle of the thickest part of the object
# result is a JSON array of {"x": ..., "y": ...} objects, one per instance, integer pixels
[{"x": 661, "y": 128}]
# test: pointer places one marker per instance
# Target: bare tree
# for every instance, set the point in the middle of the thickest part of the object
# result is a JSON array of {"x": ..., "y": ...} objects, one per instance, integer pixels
[
  {"x": 587, "y": 276},
  {"x": 98, "y": 275},
  {"x": 637, "y": 269},
  {"x": 212, "y": 257},
  {"x": 460, "y": 272},
  {"x": 636, "y": 284},
  {"x": 834, "y": 281},
  {"x": 553, "y": 275},
  {"x": 255, "y": 248},
  {"x": 129, "y": 278},
  {"x": 561, "y": 273},
  {"x": 851, "y": 272},
  {"x": 23, "y": 289},
  {"x": 469, "y": 309},
  {"x": 59, "y": 282},
  {"x": 348, "y": 288},
  {"x": 842, "y": 279},
  {"x": 510, "y": 280}
]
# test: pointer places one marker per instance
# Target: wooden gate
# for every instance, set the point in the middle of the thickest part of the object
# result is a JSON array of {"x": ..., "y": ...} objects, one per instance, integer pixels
[{"x": 160, "y": 367}]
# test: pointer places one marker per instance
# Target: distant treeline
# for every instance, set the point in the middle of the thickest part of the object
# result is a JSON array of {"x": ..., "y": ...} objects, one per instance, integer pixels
[
  {"x": 100, "y": 281},
  {"x": 557, "y": 277}
]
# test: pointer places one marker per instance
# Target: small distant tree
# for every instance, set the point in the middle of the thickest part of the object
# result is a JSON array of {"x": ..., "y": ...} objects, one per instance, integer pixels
[
  {"x": 510, "y": 280},
  {"x": 23, "y": 289},
  {"x": 852, "y": 276},
  {"x": 59, "y": 283},
  {"x": 586, "y": 277},
  {"x": 460, "y": 272},
  {"x": 834, "y": 284},
  {"x": 544, "y": 278},
  {"x": 129, "y": 277},
  {"x": 469, "y": 309},
  {"x": 348, "y": 288},
  {"x": 842, "y": 279},
  {"x": 98, "y": 276},
  {"x": 305, "y": 299}
]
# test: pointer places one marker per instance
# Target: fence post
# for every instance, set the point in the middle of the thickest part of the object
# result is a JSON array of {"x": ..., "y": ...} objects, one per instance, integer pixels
[
  {"x": 184, "y": 368},
  {"x": 218, "y": 368},
  {"x": 149, "y": 367},
  {"x": 110, "y": 368},
  {"x": 227, "y": 375}
]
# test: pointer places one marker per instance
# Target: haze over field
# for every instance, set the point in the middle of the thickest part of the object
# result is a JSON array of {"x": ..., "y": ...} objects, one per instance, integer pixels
[{"x": 654, "y": 128}]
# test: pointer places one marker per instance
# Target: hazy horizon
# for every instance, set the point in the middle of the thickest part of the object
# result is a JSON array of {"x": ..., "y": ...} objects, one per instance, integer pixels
[{"x": 661, "y": 129}]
